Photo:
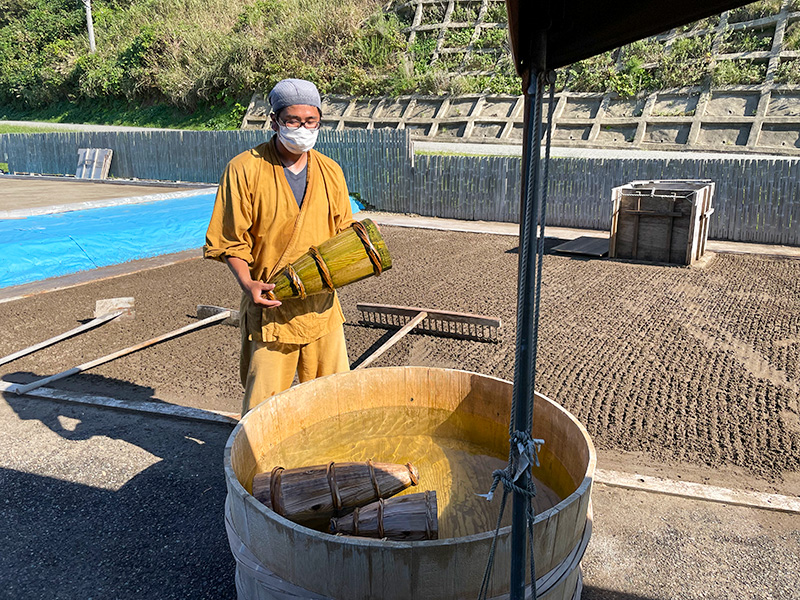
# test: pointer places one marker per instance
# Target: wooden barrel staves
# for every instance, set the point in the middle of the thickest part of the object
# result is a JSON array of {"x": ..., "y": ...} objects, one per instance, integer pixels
[
  {"x": 410, "y": 518},
  {"x": 309, "y": 563},
  {"x": 312, "y": 496},
  {"x": 354, "y": 254}
]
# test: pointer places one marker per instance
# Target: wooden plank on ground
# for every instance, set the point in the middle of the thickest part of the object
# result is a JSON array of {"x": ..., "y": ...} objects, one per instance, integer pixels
[
  {"x": 139, "y": 406},
  {"x": 25, "y": 388},
  {"x": 698, "y": 491}
]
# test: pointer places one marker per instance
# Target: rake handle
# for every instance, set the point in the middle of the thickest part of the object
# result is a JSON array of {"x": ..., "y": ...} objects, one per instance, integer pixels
[
  {"x": 21, "y": 389},
  {"x": 67, "y": 334},
  {"x": 401, "y": 333}
]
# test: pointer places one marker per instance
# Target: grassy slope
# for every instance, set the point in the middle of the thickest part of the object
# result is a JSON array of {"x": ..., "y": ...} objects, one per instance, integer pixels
[{"x": 187, "y": 63}]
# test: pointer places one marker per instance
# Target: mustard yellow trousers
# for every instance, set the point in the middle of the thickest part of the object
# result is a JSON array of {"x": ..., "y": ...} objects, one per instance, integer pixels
[{"x": 269, "y": 367}]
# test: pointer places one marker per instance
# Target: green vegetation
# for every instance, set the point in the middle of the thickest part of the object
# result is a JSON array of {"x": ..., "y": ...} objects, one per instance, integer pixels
[
  {"x": 465, "y": 12},
  {"x": 687, "y": 63},
  {"x": 788, "y": 71},
  {"x": 433, "y": 13},
  {"x": 223, "y": 115},
  {"x": 739, "y": 72},
  {"x": 457, "y": 37},
  {"x": 646, "y": 51},
  {"x": 756, "y": 10},
  {"x": 791, "y": 38},
  {"x": 497, "y": 13},
  {"x": 188, "y": 53},
  {"x": 701, "y": 25},
  {"x": 744, "y": 40},
  {"x": 643, "y": 66},
  {"x": 493, "y": 38},
  {"x": 592, "y": 74},
  {"x": 3, "y": 167},
  {"x": 24, "y": 129},
  {"x": 195, "y": 63}
]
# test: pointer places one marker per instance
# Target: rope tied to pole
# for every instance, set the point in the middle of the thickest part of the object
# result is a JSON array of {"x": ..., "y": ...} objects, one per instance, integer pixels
[{"x": 526, "y": 455}]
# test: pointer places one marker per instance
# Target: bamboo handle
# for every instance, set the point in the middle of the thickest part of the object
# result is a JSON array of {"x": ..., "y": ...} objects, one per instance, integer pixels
[{"x": 21, "y": 389}]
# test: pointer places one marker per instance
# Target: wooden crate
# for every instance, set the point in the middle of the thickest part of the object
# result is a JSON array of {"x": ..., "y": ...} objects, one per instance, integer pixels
[{"x": 661, "y": 221}]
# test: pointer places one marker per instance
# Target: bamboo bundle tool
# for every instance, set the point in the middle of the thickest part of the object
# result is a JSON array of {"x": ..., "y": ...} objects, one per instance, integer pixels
[
  {"x": 354, "y": 254},
  {"x": 312, "y": 496},
  {"x": 409, "y": 518},
  {"x": 106, "y": 310},
  {"x": 21, "y": 389},
  {"x": 426, "y": 320}
]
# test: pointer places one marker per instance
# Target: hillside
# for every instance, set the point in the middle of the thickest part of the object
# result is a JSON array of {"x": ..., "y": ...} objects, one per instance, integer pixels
[{"x": 173, "y": 59}]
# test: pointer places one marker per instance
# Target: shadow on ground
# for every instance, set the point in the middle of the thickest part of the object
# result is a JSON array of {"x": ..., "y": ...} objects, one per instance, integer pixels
[
  {"x": 159, "y": 535},
  {"x": 549, "y": 244}
]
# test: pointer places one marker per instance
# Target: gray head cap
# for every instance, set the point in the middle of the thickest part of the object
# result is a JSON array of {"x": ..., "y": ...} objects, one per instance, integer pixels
[{"x": 294, "y": 91}]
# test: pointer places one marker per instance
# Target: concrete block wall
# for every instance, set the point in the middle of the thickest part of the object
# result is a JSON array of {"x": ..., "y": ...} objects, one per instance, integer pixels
[{"x": 742, "y": 119}]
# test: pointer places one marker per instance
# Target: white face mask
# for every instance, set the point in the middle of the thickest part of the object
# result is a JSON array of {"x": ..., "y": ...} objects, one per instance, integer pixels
[{"x": 297, "y": 141}]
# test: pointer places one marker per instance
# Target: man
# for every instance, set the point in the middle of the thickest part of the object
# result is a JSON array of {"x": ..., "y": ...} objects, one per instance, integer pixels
[{"x": 273, "y": 203}]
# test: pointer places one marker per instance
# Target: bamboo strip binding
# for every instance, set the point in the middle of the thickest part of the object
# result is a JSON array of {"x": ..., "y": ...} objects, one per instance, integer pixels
[
  {"x": 324, "y": 272},
  {"x": 355, "y": 253},
  {"x": 296, "y": 282},
  {"x": 372, "y": 253}
]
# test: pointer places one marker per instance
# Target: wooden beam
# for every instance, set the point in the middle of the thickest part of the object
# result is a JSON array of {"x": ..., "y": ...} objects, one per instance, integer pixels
[{"x": 698, "y": 491}]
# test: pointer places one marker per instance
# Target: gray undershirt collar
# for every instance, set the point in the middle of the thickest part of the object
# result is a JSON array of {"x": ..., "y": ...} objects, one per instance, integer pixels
[{"x": 297, "y": 182}]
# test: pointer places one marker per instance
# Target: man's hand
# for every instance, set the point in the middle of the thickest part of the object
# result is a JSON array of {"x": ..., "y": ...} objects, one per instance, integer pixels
[{"x": 256, "y": 289}]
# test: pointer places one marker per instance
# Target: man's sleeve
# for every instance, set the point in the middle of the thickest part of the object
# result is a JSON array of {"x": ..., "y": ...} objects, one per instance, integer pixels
[
  {"x": 229, "y": 229},
  {"x": 343, "y": 213}
]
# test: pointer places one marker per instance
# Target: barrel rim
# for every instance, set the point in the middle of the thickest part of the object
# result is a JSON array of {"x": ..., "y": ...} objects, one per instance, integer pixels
[{"x": 235, "y": 485}]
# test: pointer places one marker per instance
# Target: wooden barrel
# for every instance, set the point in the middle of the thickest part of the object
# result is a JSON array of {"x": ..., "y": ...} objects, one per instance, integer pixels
[
  {"x": 278, "y": 559},
  {"x": 311, "y": 496},
  {"x": 354, "y": 254},
  {"x": 407, "y": 518}
]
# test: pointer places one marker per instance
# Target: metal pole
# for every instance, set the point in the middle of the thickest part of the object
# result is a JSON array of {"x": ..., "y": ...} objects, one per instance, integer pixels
[
  {"x": 89, "y": 24},
  {"x": 525, "y": 359}
]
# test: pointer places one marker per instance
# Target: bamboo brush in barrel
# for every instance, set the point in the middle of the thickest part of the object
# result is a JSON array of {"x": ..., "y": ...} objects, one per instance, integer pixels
[
  {"x": 409, "y": 518},
  {"x": 311, "y": 496},
  {"x": 354, "y": 254}
]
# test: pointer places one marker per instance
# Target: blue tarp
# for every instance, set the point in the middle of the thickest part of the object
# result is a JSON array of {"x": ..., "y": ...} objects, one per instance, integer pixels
[{"x": 51, "y": 245}]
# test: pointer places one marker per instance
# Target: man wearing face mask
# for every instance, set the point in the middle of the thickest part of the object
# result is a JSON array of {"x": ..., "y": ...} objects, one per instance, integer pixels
[{"x": 273, "y": 203}]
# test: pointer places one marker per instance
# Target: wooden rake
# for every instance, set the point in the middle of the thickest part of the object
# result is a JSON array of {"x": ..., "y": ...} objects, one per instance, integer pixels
[{"x": 442, "y": 323}]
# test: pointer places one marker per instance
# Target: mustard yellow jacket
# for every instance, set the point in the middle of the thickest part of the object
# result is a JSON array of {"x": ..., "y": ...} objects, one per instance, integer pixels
[{"x": 256, "y": 218}]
